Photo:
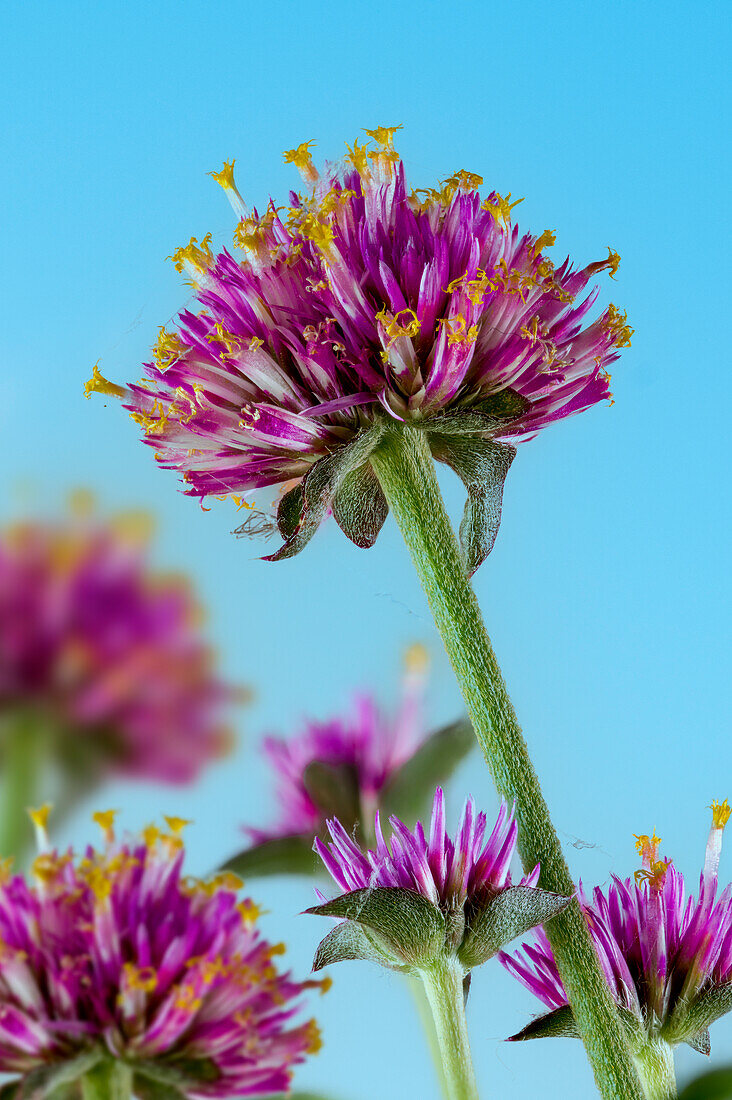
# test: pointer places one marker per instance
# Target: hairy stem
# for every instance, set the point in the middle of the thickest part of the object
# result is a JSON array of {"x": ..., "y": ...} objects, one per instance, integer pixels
[
  {"x": 406, "y": 471},
  {"x": 443, "y": 984},
  {"x": 656, "y": 1065}
]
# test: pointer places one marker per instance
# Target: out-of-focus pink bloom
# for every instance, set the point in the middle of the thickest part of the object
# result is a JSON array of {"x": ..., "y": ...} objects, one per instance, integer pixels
[
  {"x": 115, "y": 951},
  {"x": 107, "y": 653},
  {"x": 361, "y": 305},
  {"x": 361, "y": 752}
]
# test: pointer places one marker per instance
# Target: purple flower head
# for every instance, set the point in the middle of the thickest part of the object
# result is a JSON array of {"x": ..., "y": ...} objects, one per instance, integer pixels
[
  {"x": 363, "y": 306},
  {"x": 667, "y": 957},
  {"x": 116, "y": 954},
  {"x": 105, "y": 653},
  {"x": 421, "y": 895}
]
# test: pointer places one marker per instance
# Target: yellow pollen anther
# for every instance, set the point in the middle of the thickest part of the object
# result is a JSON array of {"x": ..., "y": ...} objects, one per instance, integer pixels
[
  {"x": 465, "y": 181},
  {"x": 40, "y": 817},
  {"x": 177, "y": 824},
  {"x": 300, "y": 155},
  {"x": 721, "y": 812},
  {"x": 404, "y": 323},
  {"x": 105, "y": 820},
  {"x": 613, "y": 262},
  {"x": 143, "y": 978},
  {"x": 654, "y": 875},
  {"x": 358, "y": 156},
  {"x": 250, "y": 912},
  {"x": 225, "y": 178},
  {"x": 616, "y": 323},
  {"x": 416, "y": 658},
  {"x": 99, "y": 384},
  {"x": 384, "y": 135},
  {"x": 647, "y": 846},
  {"x": 546, "y": 240},
  {"x": 500, "y": 208},
  {"x": 168, "y": 348},
  {"x": 199, "y": 257}
]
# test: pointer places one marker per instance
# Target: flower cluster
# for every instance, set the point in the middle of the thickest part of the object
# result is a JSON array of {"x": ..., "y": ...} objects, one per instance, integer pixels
[
  {"x": 362, "y": 306},
  {"x": 465, "y": 903},
  {"x": 341, "y": 767},
  {"x": 667, "y": 957},
  {"x": 116, "y": 953},
  {"x": 106, "y": 652}
]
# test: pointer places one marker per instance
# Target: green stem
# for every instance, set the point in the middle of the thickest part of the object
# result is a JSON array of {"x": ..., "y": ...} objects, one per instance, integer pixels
[
  {"x": 424, "y": 1011},
  {"x": 443, "y": 984},
  {"x": 108, "y": 1080},
  {"x": 21, "y": 745},
  {"x": 405, "y": 468},
  {"x": 656, "y": 1067}
]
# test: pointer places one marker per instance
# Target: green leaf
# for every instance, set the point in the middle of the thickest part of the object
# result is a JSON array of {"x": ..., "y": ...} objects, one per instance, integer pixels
[
  {"x": 12, "y": 1090},
  {"x": 715, "y": 1085},
  {"x": 334, "y": 790},
  {"x": 360, "y": 507},
  {"x": 558, "y": 1024},
  {"x": 410, "y": 791},
  {"x": 701, "y": 1042},
  {"x": 509, "y": 915},
  {"x": 45, "y": 1080},
  {"x": 302, "y": 515},
  {"x": 284, "y": 855},
  {"x": 408, "y": 927},
  {"x": 346, "y": 942},
  {"x": 482, "y": 467}
]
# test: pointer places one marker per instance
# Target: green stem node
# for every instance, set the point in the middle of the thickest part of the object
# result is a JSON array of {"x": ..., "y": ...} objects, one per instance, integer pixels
[
  {"x": 405, "y": 469},
  {"x": 443, "y": 984}
]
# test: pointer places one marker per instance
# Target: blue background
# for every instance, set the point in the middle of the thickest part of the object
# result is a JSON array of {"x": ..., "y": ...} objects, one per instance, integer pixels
[{"x": 607, "y": 595}]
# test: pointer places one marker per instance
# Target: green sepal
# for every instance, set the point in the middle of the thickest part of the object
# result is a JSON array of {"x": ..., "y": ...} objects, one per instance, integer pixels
[
  {"x": 410, "y": 791},
  {"x": 302, "y": 510},
  {"x": 490, "y": 416},
  {"x": 702, "y": 1043},
  {"x": 146, "y": 1088},
  {"x": 407, "y": 928},
  {"x": 558, "y": 1024},
  {"x": 715, "y": 1085},
  {"x": 346, "y": 943},
  {"x": 359, "y": 506},
  {"x": 282, "y": 855},
  {"x": 691, "y": 1019},
  {"x": 46, "y": 1080},
  {"x": 482, "y": 466},
  {"x": 335, "y": 791},
  {"x": 510, "y": 914}
]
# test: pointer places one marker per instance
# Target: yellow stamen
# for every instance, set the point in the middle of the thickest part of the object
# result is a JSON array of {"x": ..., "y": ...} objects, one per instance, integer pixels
[
  {"x": 105, "y": 820},
  {"x": 416, "y": 658},
  {"x": 546, "y": 240},
  {"x": 358, "y": 156},
  {"x": 250, "y": 912},
  {"x": 99, "y": 384},
  {"x": 500, "y": 208},
  {"x": 654, "y": 875},
  {"x": 143, "y": 978},
  {"x": 647, "y": 846},
  {"x": 176, "y": 824},
  {"x": 168, "y": 348},
  {"x": 465, "y": 181},
  {"x": 40, "y": 817},
  {"x": 225, "y": 178},
  {"x": 721, "y": 812},
  {"x": 613, "y": 262},
  {"x": 199, "y": 257},
  {"x": 384, "y": 135},
  {"x": 151, "y": 835},
  {"x": 300, "y": 155},
  {"x": 404, "y": 323},
  {"x": 616, "y": 323}
]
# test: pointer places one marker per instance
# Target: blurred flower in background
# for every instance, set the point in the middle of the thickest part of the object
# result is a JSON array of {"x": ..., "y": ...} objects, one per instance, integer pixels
[
  {"x": 103, "y": 666},
  {"x": 119, "y": 971},
  {"x": 350, "y": 767}
]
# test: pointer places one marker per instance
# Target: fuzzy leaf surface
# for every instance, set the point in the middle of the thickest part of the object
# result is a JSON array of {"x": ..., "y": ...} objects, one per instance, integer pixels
[
  {"x": 408, "y": 926},
  {"x": 509, "y": 915}
]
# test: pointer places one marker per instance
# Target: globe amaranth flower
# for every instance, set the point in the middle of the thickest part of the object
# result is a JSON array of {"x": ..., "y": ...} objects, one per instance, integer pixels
[
  {"x": 105, "y": 653},
  {"x": 667, "y": 957},
  {"x": 418, "y": 898},
  {"x": 116, "y": 955},
  {"x": 350, "y": 767},
  {"x": 362, "y": 306}
]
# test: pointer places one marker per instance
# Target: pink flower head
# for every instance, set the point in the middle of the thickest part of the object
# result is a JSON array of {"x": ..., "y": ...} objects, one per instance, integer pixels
[
  {"x": 114, "y": 953},
  {"x": 428, "y": 894},
  {"x": 359, "y": 753},
  {"x": 362, "y": 306},
  {"x": 667, "y": 958},
  {"x": 105, "y": 652}
]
